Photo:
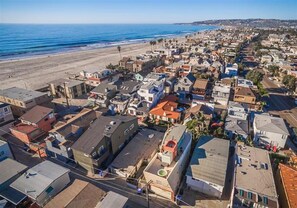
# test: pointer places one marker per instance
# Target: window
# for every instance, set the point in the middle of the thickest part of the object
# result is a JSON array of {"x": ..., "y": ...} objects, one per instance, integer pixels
[
  {"x": 250, "y": 195},
  {"x": 6, "y": 110},
  {"x": 241, "y": 192},
  {"x": 265, "y": 200},
  {"x": 49, "y": 190},
  {"x": 150, "y": 99}
]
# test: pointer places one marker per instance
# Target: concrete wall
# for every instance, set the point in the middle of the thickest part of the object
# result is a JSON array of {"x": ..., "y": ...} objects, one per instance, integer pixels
[{"x": 205, "y": 187}]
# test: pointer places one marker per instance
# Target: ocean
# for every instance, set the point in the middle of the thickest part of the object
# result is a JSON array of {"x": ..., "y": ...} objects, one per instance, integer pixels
[{"x": 25, "y": 40}]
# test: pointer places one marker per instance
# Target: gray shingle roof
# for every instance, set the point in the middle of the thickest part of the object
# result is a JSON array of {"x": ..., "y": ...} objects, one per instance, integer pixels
[
  {"x": 37, "y": 179},
  {"x": 271, "y": 124},
  {"x": 9, "y": 168},
  {"x": 209, "y": 160},
  {"x": 97, "y": 131}
]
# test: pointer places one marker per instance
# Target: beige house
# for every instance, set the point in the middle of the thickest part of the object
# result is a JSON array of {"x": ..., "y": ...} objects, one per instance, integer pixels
[
  {"x": 21, "y": 100},
  {"x": 244, "y": 95},
  {"x": 70, "y": 88},
  {"x": 164, "y": 172}
]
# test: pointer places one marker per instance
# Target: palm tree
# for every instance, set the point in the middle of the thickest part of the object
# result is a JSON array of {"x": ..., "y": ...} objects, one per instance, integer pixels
[
  {"x": 160, "y": 40},
  {"x": 119, "y": 50}
]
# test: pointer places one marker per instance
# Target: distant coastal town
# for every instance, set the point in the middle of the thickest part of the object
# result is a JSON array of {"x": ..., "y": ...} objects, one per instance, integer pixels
[{"x": 207, "y": 119}]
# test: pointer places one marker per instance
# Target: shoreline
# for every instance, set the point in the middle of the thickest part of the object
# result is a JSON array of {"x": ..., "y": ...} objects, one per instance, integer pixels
[
  {"x": 91, "y": 46},
  {"x": 35, "y": 72}
]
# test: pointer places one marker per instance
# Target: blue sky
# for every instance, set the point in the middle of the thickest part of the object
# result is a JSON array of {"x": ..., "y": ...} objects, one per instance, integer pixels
[{"x": 141, "y": 11}]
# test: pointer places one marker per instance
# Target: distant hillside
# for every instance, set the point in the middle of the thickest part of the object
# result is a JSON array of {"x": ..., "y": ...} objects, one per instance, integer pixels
[{"x": 271, "y": 23}]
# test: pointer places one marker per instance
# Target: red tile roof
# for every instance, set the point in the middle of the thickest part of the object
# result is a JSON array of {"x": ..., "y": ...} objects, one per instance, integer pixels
[
  {"x": 166, "y": 108},
  {"x": 289, "y": 179}
]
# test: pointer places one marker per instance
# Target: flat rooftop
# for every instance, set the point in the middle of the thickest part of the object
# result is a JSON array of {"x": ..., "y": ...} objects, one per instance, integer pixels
[
  {"x": 21, "y": 94},
  {"x": 69, "y": 82},
  {"x": 209, "y": 160},
  {"x": 254, "y": 173},
  {"x": 156, "y": 164},
  {"x": 140, "y": 147}
]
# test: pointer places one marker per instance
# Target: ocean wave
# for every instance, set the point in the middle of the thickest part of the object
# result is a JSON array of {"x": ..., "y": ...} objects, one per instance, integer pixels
[{"x": 57, "y": 38}]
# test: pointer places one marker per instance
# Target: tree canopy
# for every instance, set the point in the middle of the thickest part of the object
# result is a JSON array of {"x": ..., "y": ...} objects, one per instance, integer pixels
[
  {"x": 290, "y": 82},
  {"x": 255, "y": 76}
]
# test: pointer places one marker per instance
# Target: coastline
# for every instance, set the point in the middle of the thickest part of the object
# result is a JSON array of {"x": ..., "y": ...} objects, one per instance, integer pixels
[{"x": 36, "y": 71}]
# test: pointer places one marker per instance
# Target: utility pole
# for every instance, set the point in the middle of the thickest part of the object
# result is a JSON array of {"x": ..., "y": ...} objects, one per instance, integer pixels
[
  {"x": 66, "y": 95},
  {"x": 147, "y": 196}
]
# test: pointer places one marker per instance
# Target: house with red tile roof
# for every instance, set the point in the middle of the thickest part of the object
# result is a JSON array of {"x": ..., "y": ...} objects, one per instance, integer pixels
[
  {"x": 286, "y": 181},
  {"x": 166, "y": 110}
]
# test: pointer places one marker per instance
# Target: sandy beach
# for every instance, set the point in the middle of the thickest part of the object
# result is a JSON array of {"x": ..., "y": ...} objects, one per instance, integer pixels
[{"x": 36, "y": 72}]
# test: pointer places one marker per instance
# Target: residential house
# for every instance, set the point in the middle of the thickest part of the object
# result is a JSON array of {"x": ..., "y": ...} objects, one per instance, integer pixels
[
  {"x": 39, "y": 116},
  {"x": 244, "y": 83},
  {"x": 126, "y": 92},
  {"x": 65, "y": 134},
  {"x": 169, "y": 85},
  {"x": 85, "y": 195},
  {"x": 42, "y": 182},
  {"x": 102, "y": 94},
  {"x": 67, "y": 88},
  {"x": 200, "y": 89},
  {"x": 35, "y": 123},
  {"x": 140, "y": 64},
  {"x": 184, "y": 86},
  {"x": 6, "y": 118},
  {"x": 140, "y": 150},
  {"x": 5, "y": 151},
  {"x": 198, "y": 111},
  {"x": 231, "y": 70},
  {"x": 10, "y": 171},
  {"x": 126, "y": 63},
  {"x": 96, "y": 76},
  {"x": 103, "y": 139},
  {"x": 244, "y": 95},
  {"x": 79, "y": 194},
  {"x": 166, "y": 110},
  {"x": 254, "y": 184},
  {"x": 151, "y": 92},
  {"x": 144, "y": 64},
  {"x": 139, "y": 108},
  {"x": 238, "y": 110},
  {"x": 165, "y": 170},
  {"x": 270, "y": 131},
  {"x": 208, "y": 166},
  {"x": 221, "y": 94},
  {"x": 21, "y": 100},
  {"x": 286, "y": 180},
  {"x": 235, "y": 127}
]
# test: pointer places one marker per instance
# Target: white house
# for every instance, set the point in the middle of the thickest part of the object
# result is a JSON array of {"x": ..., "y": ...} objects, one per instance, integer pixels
[
  {"x": 231, "y": 70},
  {"x": 221, "y": 93},
  {"x": 270, "y": 130},
  {"x": 42, "y": 181},
  {"x": 151, "y": 92},
  {"x": 208, "y": 166},
  {"x": 238, "y": 110}
]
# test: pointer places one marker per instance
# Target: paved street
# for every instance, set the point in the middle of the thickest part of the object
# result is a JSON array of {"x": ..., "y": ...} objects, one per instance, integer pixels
[
  {"x": 108, "y": 184},
  {"x": 279, "y": 103}
]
